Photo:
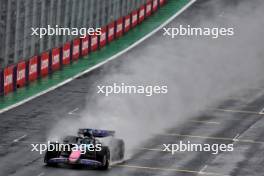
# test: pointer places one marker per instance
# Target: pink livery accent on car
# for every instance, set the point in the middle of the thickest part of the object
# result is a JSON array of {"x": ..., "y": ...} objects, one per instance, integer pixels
[{"x": 74, "y": 156}]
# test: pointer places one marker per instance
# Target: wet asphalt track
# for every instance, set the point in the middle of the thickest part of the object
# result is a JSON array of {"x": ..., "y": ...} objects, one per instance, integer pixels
[{"x": 234, "y": 122}]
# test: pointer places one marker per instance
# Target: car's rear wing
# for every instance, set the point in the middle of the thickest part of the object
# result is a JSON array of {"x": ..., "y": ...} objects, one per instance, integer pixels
[{"x": 95, "y": 132}]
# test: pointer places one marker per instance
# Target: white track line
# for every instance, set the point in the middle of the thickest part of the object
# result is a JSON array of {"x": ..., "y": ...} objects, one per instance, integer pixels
[
  {"x": 114, "y": 163},
  {"x": 20, "y": 138},
  {"x": 102, "y": 63},
  {"x": 203, "y": 169},
  {"x": 237, "y": 111},
  {"x": 236, "y": 137},
  {"x": 41, "y": 174},
  {"x": 261, "y": 112},
  {"x": 73, "y": 111},
  {"x": 205, "y": 122},
  {"x": 152, "y": 149}
]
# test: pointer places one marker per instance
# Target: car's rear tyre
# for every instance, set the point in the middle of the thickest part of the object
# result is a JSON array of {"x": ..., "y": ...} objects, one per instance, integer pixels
[
  {"x": 117, "y": 150},
  {"x": 104, "y": 158},
  {"x": 121, "y": 149}
]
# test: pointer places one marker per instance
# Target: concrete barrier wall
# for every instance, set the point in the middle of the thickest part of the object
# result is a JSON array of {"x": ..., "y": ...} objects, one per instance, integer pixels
[{"x": 21, "y": 74}]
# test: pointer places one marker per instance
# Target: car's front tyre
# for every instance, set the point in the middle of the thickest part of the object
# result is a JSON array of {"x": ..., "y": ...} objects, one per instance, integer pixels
[
  {"x": 48, "y": 156},
  {"x": 51, "y": 154}
]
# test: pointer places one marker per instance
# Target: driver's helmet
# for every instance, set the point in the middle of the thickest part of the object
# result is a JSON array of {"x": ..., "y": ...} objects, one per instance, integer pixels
[
  {"x": 89, "y": 134},
  {"x": 86, "y": 140}
]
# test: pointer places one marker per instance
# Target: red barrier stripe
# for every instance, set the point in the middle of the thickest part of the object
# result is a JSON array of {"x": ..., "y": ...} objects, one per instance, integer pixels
[
  {"x": 44, "y": 64},
  {"x": 119, "y": 27},
  {"x": 162, "y": 2},
  {"x": 149, "y": 8},
  {"x": 76, "y": 49},
  {"x": 111, "y": 32},
  {"x": 8, "y": 79},
  {"x": 141, "y": 13},
  {"x": 155, "y": 5},
  {"x": 85, "y": 46},
  {"x": 66, "y": 53},
  {"x": 33, "y": 68},
  {"x": 21, "y": 74},
  {"x": 103, "y": 37},
  {"x": 134, "y": 18},
  {"x": 55, "y": 59},
  {"x": 127, "y": 23},
  {"x": 94, "y": 42}
]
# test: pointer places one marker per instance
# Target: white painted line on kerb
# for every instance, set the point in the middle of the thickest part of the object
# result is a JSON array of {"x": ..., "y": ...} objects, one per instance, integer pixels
[
  {"x": 20, "y": 138},
  {"x": 102, "y": 63},
  {"x": 73, "y": 111}
]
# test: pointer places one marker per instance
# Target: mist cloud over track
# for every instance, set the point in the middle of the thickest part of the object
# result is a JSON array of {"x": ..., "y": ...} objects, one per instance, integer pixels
[{"x": 198, "y": 72}]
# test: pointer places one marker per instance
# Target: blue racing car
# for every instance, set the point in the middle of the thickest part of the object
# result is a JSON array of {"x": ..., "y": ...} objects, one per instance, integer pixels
[{"x": 91, "y": 147}]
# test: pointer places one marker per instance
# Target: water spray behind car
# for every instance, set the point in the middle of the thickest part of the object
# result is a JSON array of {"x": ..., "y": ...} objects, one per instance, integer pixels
[{"x": 198, "y": 73}]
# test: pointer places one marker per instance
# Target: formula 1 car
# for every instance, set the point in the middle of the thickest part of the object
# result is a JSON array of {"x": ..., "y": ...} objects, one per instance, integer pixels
[{"x": 91, "y": 147}]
